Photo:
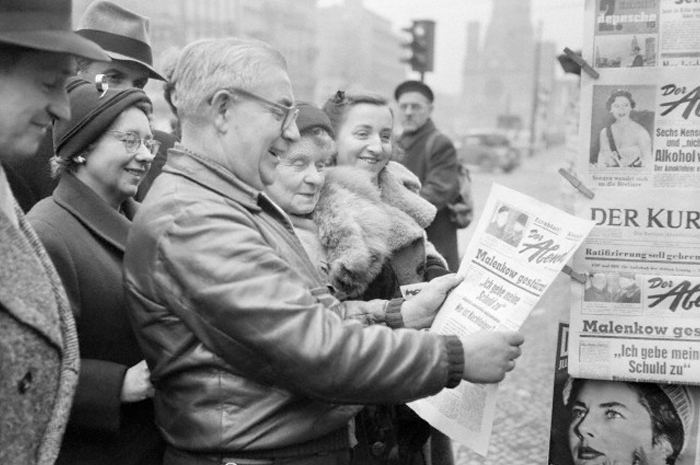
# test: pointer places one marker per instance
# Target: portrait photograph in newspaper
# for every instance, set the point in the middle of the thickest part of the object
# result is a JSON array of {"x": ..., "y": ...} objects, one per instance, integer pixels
[
  {"x": 637, "y": 317},
  {"x": 519, "y": 246},
  {"x": 619, "y": 422},
  {"x": 642, "y": 33},
  {"x": 642, "y": 129}
]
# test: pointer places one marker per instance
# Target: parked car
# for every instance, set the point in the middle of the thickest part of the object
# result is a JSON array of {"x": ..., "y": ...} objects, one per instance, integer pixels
[{"x": 488, "y": 150}]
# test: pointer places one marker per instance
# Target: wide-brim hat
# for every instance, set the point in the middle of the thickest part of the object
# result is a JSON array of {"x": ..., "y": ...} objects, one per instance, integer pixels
[
  {"x": 123, "y": 34},
  {"x": 45, "y": 25}
]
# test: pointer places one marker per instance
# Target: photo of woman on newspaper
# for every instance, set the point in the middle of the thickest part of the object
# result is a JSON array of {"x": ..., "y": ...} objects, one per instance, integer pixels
[
  {"x": 624, "y": 143},
  {"x": 626, "y": 423}
]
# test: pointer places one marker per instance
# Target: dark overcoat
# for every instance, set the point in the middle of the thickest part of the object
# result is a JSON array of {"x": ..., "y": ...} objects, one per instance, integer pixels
[
  {"x": 438, "y": 174},
  {"x": 85, "y": 238},
  {"x": 39, "y": 359}
]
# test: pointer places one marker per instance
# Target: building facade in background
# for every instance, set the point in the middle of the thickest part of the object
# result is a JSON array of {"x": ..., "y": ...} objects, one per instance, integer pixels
[
  {"x": 498, "y": 75},
  {"x": 357, "y": 51},
  {"x": 289, "y": 26},
  {"x": 343, "y": 46}
]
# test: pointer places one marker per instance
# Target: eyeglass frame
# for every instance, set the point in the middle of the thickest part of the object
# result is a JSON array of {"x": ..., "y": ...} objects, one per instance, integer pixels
[
  {"x": 287, "y": 120},
  {"x": 154, "y": 144}
]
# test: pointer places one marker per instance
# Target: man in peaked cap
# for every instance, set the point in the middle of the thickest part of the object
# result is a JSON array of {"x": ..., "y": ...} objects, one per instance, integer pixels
[
  {"x": 38, "y": 343},
  {"x": 432, "y": 157},
  {"x": 124, "y": 36}
]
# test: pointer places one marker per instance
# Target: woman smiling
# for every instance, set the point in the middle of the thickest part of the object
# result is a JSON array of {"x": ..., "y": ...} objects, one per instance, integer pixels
[{"x": 101, "y": 155}]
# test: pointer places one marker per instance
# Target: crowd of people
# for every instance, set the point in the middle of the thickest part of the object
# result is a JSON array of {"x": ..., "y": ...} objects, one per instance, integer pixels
[{"x": 229, "y": 293}]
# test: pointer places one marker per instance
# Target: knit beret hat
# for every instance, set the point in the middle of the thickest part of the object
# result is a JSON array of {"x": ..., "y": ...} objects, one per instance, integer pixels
[
  {"x": 92, "y": 113},
  {"x": 310, "y": 116},
  {"x": 413, "y": 86}
]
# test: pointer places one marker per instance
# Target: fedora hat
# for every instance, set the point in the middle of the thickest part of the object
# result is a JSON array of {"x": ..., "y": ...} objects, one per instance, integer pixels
[
  {"x": 44, "y": 25},
  {"x": 122, "y": 33}
]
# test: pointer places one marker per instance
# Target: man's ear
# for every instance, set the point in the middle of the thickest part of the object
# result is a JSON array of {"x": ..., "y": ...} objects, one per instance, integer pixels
[{"x": 221, "y": 104}]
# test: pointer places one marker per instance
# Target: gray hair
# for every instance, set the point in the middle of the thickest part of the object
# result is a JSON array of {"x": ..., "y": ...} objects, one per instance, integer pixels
[{"x": 207, "y": 65}]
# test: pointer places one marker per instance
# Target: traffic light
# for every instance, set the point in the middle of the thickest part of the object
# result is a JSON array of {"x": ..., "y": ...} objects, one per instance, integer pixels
[{"x": 422, "y": 45}]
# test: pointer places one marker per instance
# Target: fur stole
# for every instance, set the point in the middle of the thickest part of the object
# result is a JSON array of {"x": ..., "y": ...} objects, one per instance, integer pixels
[{"x": 361, "y": 228}]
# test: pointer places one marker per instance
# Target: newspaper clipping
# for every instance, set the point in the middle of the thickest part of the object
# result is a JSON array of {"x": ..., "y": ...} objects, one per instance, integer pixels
[
  {"x": 645, "y": 33},
  {"x": 622, "y": 423},
  {"x": 519, "y": 246},
  {"x": 638, "y": 315},
  {"x": 642, "y": 132}
]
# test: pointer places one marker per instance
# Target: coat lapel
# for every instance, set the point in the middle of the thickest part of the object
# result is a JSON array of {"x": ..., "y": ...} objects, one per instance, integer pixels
[
  {"x": 30, "y": 290},
  {"x": 94, "y": 212}
]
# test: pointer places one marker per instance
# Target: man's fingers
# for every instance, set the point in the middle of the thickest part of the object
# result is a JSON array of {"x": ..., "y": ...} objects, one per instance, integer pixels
[{"x": 514, "y": 338}]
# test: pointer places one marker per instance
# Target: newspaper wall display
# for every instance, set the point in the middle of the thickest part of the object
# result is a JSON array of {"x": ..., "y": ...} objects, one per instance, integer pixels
[
  {"x": 638, "y": 316},
  {"x": 611, "y": 422},
  {"x": 518, "y": 247},
  {"x": 644, "y": 33}
]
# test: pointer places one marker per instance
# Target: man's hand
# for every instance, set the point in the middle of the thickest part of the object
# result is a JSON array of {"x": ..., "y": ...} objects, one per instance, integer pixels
[
  {"x": 489, "y": 355},
  {"x": 419, "y": 312},
  {"x": 137, "y": 383}
]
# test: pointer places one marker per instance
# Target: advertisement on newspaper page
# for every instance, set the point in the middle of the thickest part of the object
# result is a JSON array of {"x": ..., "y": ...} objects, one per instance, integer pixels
[
  {"x": 641, "y": 130},
  {"x": 637, "y": 317},
  {"x": 643, "y": 33},
  {"x": 518, "y": 247},
  {"x": 617, "y": 422}
]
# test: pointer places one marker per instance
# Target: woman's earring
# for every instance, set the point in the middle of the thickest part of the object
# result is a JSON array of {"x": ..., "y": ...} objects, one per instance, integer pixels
[{"x": 79, "y": 159}]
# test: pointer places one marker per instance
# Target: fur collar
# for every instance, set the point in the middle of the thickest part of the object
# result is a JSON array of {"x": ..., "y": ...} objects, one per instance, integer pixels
[{"x": 361, "y": 227}]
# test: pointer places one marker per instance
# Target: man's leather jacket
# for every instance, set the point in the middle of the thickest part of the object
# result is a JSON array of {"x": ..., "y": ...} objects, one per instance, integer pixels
[{"x": 235, "y": 324}]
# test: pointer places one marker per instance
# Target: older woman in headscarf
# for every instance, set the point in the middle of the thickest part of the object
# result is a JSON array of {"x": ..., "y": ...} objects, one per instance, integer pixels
[
  {"x": 366, "y": 246},
  {"x": 101, "y": 155}
]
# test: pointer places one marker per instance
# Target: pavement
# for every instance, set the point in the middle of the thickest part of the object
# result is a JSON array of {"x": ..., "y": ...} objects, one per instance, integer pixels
[{"x": 521, "y": 427}]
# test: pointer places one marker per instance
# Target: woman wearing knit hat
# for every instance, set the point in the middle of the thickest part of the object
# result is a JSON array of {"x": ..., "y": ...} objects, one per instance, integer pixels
[{"x": 101, "y": 154}]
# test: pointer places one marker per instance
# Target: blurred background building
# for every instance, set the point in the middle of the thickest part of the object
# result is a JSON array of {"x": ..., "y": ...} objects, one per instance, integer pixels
[{"x": 344, "y": 45}]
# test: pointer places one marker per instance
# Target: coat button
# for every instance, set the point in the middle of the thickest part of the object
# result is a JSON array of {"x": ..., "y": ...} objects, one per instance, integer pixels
[{"x": 25, "y": 383}]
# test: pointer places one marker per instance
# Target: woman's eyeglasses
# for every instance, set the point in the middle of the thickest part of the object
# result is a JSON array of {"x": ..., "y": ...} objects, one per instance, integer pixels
[
  {"x": 132, "y": 142},
  {"x": 287, "y": 115}
]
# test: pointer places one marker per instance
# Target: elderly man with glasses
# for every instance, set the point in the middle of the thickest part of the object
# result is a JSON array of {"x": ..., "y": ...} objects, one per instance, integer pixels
[{"x": 250, "y": 361}]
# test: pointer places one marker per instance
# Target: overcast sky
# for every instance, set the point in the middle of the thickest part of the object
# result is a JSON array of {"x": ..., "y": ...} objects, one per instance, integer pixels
[{"x": 562, "y": 23}]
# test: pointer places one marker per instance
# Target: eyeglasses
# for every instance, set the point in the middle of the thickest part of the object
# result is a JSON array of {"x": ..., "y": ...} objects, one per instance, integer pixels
[
  {"x": 132, "y": 142},
  {"x": 281, "y": 113}
]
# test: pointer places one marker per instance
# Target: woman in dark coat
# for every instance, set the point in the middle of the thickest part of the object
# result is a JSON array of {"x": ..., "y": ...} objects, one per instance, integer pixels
[{"x": 102, "y": 153}]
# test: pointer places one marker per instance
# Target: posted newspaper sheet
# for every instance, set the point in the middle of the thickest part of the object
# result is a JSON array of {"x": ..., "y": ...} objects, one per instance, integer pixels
[
  {"x": 636, "y": 317},
  {"x": 582, "y": 407},
  {"x": 519, "y": 246}
]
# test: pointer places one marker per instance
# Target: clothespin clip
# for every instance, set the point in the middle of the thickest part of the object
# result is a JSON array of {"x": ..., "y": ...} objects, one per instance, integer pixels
[
  {"x": 575, "y": 275},
  {"x": 577, "y": 183},
  {"x": 101, "y": 84},
  {"x": 581, "y": 62}
]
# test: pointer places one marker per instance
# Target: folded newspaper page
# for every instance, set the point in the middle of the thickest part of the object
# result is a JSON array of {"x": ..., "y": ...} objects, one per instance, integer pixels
[
  {"x": 623, "y": 423},
  {"x": 638, "y": 315},
  {"x": 519, "y": 246}
]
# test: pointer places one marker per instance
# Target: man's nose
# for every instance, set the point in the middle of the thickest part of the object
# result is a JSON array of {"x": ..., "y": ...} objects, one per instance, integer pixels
[
  {"x": 292, "y": 133},
  {"x": 59, "y": 106}
]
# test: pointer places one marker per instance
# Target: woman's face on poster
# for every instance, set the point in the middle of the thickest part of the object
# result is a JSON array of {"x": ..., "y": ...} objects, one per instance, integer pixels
[
  {"x": 621, "y": 107},
  {"x": 608, "y": 425}
]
